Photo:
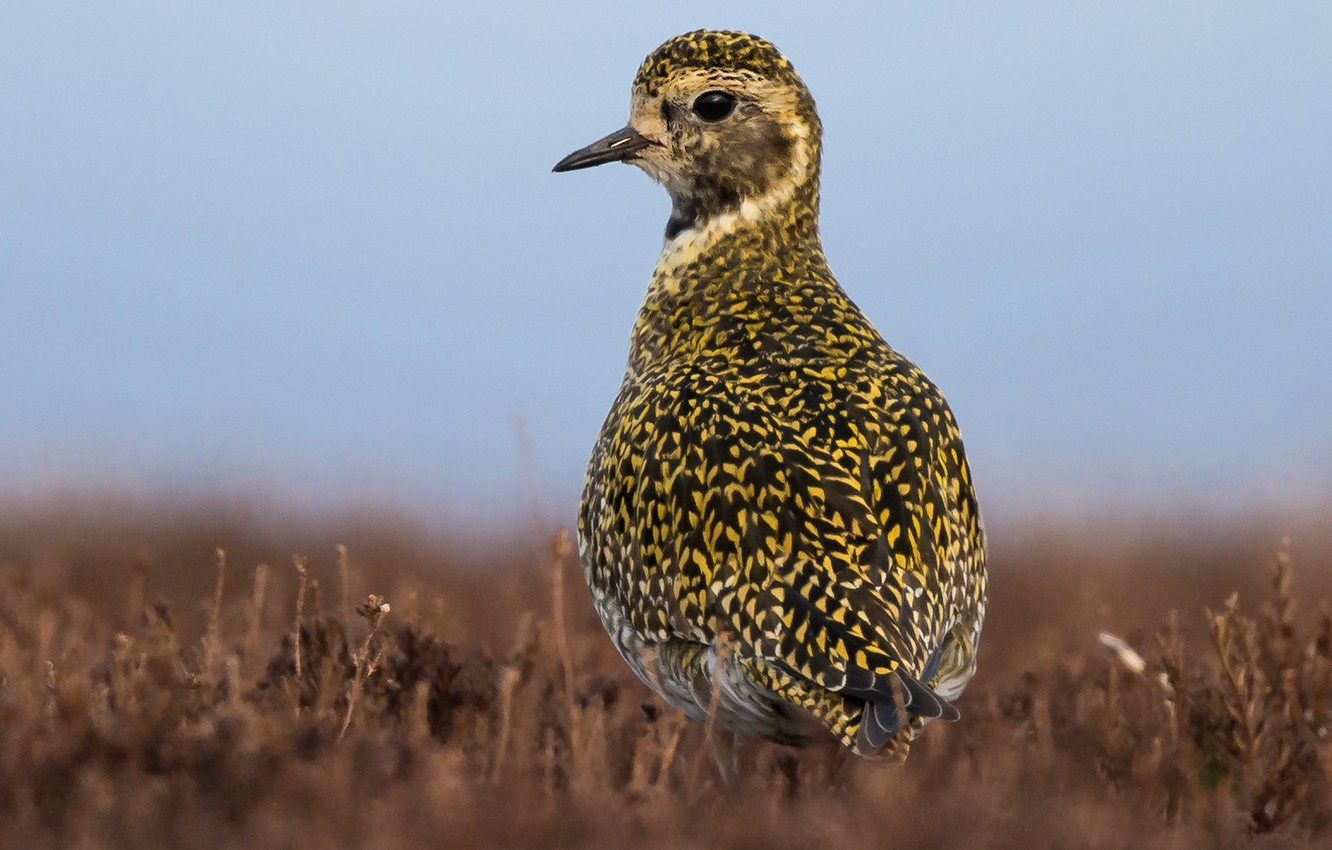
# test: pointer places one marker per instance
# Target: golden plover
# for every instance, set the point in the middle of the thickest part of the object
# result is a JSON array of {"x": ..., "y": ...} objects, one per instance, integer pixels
[{"x": 778, "y": 525}]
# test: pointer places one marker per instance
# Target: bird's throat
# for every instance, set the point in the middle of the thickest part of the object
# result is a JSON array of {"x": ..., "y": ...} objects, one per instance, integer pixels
[{"x": 745, "y": 237}]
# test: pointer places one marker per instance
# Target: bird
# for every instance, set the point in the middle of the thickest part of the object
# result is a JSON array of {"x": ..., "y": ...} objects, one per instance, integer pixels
[{"x": 778, "y": 525}]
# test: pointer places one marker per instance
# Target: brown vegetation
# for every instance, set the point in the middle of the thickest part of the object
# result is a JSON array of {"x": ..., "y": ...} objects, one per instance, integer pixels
[{"x": 155, "y": 691}]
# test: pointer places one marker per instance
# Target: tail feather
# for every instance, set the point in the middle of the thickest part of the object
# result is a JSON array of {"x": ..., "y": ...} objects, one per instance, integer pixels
[
  {"x": 878, "y": 726},
  {"x": 902, "y": 696},
  {"x": 924, "y": 702}
]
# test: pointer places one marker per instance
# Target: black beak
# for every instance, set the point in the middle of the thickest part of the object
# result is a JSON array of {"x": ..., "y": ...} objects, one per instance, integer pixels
[{"x": 617, "y": 147}]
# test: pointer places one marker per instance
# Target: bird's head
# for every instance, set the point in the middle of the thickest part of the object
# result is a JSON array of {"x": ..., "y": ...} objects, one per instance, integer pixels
[{"x": 723, "y": 121}]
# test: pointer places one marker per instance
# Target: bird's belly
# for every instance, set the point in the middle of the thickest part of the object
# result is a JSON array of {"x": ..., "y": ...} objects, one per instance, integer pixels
[{"x": 711, "y": 680}]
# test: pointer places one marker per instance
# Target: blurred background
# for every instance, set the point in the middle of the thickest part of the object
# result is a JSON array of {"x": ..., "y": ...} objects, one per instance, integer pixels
[{"x": 313, "y": 252}]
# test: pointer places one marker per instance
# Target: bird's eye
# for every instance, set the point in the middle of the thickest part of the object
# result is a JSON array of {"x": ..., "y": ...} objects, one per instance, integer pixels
[{"x": 713, "y": 105}]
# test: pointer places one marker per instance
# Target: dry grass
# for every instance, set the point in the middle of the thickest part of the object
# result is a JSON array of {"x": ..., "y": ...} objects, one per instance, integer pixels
[{"x": 156, "y": 690}]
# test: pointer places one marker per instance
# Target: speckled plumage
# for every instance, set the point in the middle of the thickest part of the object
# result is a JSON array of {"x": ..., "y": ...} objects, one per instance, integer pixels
[{"x": 778, "y": 523}]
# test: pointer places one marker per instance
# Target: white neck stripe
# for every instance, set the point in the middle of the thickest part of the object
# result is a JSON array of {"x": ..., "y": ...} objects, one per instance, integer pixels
[{"x": 686, "y": 245}]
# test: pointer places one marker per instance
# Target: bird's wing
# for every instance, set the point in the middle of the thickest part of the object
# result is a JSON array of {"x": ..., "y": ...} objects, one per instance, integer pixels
[
  {"x": 860, "y": 604},
  {"x": 807, "y": 519}
]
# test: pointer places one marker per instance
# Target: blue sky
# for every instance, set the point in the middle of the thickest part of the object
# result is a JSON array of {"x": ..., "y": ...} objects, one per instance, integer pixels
[{"x": 315, "y": 250}]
